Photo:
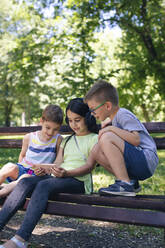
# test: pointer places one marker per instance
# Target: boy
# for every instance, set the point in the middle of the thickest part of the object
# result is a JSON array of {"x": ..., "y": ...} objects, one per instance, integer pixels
[
  {"x": 37, "y": 148},
  {"x": 124, "y": 148}
]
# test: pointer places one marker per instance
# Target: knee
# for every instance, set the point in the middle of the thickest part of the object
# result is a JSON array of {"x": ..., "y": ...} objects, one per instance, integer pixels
[
  {"x": 24, "y": 182},
  {"x": 41, "y": 186},
  {"x": 107, "y": 137},
  {"x": 11, "y": 167}
]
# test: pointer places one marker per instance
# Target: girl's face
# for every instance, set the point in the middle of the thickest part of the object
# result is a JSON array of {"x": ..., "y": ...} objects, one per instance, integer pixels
[{"x": 77, "y": 123}]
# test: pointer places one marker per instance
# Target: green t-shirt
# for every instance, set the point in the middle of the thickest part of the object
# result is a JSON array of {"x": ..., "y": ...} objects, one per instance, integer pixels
[{"x": 73, "y": 157}]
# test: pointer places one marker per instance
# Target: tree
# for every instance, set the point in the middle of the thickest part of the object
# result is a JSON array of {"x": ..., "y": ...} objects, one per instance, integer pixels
[
  {"x": 55, "y": 52},
  {"x": 142, "y": 53},
  {"x": 22, "y": 59}
]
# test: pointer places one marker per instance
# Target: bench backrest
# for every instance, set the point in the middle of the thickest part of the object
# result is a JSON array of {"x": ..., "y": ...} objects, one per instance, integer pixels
[{"x": 152, "y": 127}]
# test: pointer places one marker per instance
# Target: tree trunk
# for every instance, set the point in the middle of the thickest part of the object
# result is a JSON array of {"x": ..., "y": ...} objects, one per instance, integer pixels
[{"x": 145, "y": 113}]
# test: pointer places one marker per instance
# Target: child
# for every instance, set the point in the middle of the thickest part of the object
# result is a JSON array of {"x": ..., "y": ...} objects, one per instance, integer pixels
[
  {"x": 124, "y": 148},
  {"x": 69, "y": 175},
  {"x": 38, "y": 147}
]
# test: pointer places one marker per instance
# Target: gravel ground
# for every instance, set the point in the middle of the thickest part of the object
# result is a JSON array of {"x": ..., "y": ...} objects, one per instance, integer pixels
[{"x": 63, "y": 232}]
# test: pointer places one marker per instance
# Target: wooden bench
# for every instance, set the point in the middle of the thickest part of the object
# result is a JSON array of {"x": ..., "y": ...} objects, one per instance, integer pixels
[{"x": 145, "y": 210}]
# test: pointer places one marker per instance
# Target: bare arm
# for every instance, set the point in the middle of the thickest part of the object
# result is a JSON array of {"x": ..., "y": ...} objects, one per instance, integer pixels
[
  {"x": 58, "y": 143},
  {"x": 131, "y": 137},
  {"x": 59, "y": 159},
  {"x": 83, "y": 170},
  {"x": 25, "y": 144}
]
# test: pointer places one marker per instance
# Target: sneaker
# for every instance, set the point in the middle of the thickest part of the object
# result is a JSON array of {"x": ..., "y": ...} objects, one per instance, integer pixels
[
  {"x": 136, "y": 185},
  {"x": 118, "y": 188}
]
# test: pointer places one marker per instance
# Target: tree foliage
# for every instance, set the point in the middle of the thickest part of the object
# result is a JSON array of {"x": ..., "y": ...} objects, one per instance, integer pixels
[
  {"x": 52, "y": 51},
  {"x": 21, "y": 59},
  {"x": 141, "y": 70}
]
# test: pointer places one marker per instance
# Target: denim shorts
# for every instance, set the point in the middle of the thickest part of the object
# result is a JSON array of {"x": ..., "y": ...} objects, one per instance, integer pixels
[
  {"x": 136, "y": 162},
  {"x": 22, "y": 171}
]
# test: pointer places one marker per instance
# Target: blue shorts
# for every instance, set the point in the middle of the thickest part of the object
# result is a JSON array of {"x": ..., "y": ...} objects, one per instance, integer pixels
[
  {"x": 136, "y": 163},
  {"x": 22, "y": 170}
]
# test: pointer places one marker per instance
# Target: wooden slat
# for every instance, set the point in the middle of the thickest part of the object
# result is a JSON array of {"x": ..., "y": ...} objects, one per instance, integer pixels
[
  {"x": 150, "y": 202},
  {"x": 152, "y": 127},
  {"x": 160, "y": 143},
  {"x": 138, "y": 202},
  {"x": 155, "y": 127},
  {"x": 118, "y": 215},
  {"x": 10, "y": 143},
  {"x": 23, "y": 130},
  {"x": 96, "y": 208},
  {"x": 16, "y": 143},
  {"x": 18, "y": 130}
]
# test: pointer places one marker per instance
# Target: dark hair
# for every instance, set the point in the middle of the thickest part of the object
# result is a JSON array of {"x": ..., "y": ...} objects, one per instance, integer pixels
[
  {"x": 78, "y": 106},
  {"x": 53, "y": 113},
  {"x": 103, "y": 91}
]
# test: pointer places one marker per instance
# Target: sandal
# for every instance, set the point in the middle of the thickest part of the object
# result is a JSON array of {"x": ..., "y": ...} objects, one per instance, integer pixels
[{"x": 19, "y": 243}]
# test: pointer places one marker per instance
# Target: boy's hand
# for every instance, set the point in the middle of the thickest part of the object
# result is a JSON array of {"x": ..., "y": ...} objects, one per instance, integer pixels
[
  {"x": 104, "y": 130},
  {"x": 105, "y": 123},
  {"x": 59, "y": 172}
]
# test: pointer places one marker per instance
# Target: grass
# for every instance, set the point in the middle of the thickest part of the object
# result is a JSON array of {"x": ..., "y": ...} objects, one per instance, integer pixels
[
  {"x": 8, "y": 155},
  {"x": 153, "y": 185},
  {"x": 101, "y": 178}
]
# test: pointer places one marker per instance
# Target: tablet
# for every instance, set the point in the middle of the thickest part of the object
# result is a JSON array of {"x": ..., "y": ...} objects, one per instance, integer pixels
[{"x": 44, "y": 166}]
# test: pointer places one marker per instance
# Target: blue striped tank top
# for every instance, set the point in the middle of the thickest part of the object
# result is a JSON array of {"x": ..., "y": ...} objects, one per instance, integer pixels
[{"x": 40, "y": 152}]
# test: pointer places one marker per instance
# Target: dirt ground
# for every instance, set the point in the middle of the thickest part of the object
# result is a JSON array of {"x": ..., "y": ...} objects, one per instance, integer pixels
[{"x": 64, "y": 232}]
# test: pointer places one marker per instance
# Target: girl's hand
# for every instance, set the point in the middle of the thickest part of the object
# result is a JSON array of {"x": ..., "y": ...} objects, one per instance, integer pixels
[
  {"x": 59, "y": 172},
  {"x": 48, "y": 171},
  {"x": 39, "y": 171}
]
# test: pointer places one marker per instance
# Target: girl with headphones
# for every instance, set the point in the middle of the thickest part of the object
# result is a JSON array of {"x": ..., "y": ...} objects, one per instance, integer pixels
[{"x": 70, "y": 174}]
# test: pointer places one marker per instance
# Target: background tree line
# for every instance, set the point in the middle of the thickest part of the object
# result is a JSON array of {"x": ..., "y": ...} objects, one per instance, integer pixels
[{"x": 52, "y": 51}]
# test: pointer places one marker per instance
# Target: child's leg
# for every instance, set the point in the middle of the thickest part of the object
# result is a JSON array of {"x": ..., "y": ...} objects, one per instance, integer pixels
[
  {"x": 39, "y": 198},
  {"x": 109, "y": 154},
  {"x": 17, "y": 197},
  {"x": 15, "y": 242},
  {"x": 8, "y": 188},
  {"x": 38, "y": 202},
  {"x": 9, "y": 170},
  {"x": 96, "y": 155}
]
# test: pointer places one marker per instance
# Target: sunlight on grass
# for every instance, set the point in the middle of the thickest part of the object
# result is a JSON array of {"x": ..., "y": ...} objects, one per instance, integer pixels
[
  {"x": 154, "y": 185},
  {"x": 101, "y": 178},
  {"x": 12, "y": 137},
  {"x": 8, "y": 155}
]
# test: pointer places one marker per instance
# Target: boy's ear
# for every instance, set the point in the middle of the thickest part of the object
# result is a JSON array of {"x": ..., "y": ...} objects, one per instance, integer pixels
[{"x": 109, "y": 106}]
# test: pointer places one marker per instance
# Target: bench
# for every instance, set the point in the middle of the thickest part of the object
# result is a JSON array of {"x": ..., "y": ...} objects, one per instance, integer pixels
[{"x": 144, "y": 210}]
